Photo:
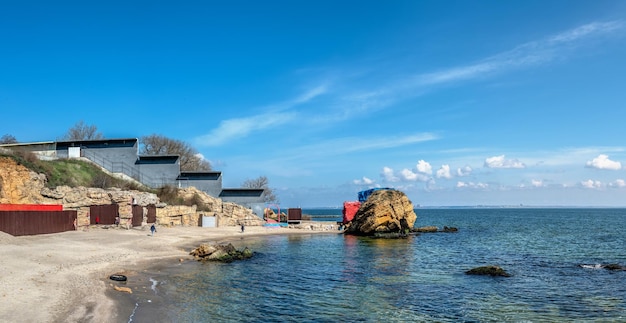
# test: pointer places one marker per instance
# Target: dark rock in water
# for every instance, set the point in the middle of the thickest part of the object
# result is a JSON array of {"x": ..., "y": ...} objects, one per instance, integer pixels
[
  {"x": 390, "y": 235},
  {"x": 428, "y": 229},
  {"x": 384, "y": 212},
  {"x": 223, "y": 253},
  {"x": 433, "y": 229},
  {"x": 488, "y": 271},
  {"x": 607, "y": 267},
  {"x": 614, "y": 267}
]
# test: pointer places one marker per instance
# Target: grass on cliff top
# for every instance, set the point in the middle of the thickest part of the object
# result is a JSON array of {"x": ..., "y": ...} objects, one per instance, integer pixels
[
  {"x": 71, "y": 172},
  {"x": 74, "y": 173}
]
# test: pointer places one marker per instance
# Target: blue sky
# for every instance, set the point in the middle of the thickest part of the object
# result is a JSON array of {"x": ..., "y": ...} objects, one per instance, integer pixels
[{"x": 452, "y": 102}]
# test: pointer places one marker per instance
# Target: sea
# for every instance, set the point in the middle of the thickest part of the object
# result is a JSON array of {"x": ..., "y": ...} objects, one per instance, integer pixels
[{"x": 555, "y": 257}]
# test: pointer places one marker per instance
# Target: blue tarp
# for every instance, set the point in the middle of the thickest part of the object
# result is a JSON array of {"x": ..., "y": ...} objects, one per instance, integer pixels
[{"x": 363, "y": 195}]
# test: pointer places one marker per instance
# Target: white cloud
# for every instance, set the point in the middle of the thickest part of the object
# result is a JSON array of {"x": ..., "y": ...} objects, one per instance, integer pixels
[
  {"x": 471, "y": 185},
  {"x": 363, "y": 181},
  {"x": 444, "y": 172},
  {"x": 603, "y": 162},
  {"x": 501, "y": 162},
  {"x": 408, "y": 175},
  {"x": 388, "y": 175},
  {"x": 424, "y": 167},
  {"x": 618, "y": 183},
  {"x": 464, "y": 171},
  {"x": 591, "y": 184},
  {"x": 537, "y": 183}
]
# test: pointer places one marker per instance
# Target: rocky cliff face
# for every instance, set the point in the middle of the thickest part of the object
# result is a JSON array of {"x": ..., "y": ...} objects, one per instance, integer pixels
[
  {"x": 385, "y": 211},
  {"x": 19, "y": 185}
]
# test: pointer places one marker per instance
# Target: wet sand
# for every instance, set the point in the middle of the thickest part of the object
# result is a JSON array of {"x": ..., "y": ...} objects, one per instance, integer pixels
[{"x": 64, "y": 277}]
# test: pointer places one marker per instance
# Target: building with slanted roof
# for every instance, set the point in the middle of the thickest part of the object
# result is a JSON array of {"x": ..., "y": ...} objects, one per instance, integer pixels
[{"x": 121, "y": 156}]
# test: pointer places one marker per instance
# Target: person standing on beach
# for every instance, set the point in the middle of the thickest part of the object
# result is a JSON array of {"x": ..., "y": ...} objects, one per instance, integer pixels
[
  {"x": 242, "y": 228},
  {"x": 153, "y": 229}
]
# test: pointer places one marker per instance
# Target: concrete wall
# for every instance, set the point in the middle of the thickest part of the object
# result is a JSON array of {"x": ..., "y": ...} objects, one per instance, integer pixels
[
  {"x": 158, "y": 171},
  {"x": 116, "y": 155},
  {"x": 208, "y": 182}
]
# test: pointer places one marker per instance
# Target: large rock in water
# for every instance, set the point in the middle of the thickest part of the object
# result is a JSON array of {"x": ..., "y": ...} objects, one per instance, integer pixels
[{"x": 385, "y": 212}]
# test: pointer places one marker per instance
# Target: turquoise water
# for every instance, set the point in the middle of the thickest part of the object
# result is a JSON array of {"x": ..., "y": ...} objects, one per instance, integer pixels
[{"x": 336, "y": 278}]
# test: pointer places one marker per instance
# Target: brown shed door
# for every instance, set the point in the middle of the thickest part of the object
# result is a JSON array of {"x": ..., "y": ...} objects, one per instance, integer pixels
[
  {"x": 104, "y": 213},
  {"x": 151, "y": 213},
  {"x": 137, "y": 215}
]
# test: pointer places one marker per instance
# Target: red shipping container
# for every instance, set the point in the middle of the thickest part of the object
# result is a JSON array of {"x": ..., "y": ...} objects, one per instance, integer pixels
[
  {"x": 31, "y": 207},
  {"x": 349, "y": 210}
]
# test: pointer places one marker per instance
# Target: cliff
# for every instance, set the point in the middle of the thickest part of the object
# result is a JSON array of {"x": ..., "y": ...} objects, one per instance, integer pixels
[{"x": 19, "y": 185}]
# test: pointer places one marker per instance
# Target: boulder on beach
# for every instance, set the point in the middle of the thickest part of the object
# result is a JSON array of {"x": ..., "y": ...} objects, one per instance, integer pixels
[
  {"x": 223, "y": 253},
  {"x": 385, "y": 213},
  {"x": 488, "y": 271}
]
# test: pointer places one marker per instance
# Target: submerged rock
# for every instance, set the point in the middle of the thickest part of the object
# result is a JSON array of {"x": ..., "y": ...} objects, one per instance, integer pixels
[
  {"x": 488, "y": 271},
  {"x": 223, "y": 253},
  {"x": 385, "y": 212},
  {"x": 433, "y": 229},
  {"x": 427, "y": 229},
  {"x": 607, "y": 266}
]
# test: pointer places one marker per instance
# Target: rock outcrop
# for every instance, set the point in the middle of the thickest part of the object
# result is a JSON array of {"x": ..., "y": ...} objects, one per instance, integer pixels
[
  {"x": 385, "y": 212},
  {"x": 18, "y": 184}
]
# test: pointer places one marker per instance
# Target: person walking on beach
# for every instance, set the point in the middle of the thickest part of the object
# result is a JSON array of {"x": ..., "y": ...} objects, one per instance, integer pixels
[
  {"x": 242, "y": 228},
  {"x": 153, "y": 229}
]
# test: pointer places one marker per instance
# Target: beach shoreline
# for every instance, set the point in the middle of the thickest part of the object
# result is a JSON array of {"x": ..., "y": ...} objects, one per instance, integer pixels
[{"x": 64, "y": 276}]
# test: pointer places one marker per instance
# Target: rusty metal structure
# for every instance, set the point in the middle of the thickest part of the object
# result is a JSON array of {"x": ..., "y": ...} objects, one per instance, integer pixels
[{"x": 22, "y": 223}]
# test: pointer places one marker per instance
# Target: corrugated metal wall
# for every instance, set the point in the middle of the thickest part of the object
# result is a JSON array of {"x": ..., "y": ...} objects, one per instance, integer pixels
[
  {"x": 294, "y": 214},
  {"x": 106, "y": 214},
  {"x": 151, "y": 213},
  {"x": 22, "y": 223},
  {"x": 137, "y": 215}
]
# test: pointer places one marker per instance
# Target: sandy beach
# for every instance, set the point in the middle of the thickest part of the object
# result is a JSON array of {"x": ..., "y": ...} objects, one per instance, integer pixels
[{"x": 63, "y": 277}]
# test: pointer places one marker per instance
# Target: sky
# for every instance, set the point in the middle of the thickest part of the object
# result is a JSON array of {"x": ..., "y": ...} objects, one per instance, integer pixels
[{"x": 455, "y": 103}]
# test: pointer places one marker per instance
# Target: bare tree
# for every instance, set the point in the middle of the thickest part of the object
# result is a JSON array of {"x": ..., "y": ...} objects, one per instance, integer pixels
[
  {"x": 82, "y": 131},
  {"x": 190, "y": 159},
  {"x": 262, "y": 182},
  {"x": 8, "y": 139}
]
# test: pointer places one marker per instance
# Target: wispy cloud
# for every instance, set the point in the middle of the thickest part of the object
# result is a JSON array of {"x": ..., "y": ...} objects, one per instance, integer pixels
[
  {"x": 357, "y": 144},
  {"x": 237, "y": 128},
  {"x": 349, "y": 101},
  {"x": 528, "y": 54},
  {"x": 354, "y": 101}
]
